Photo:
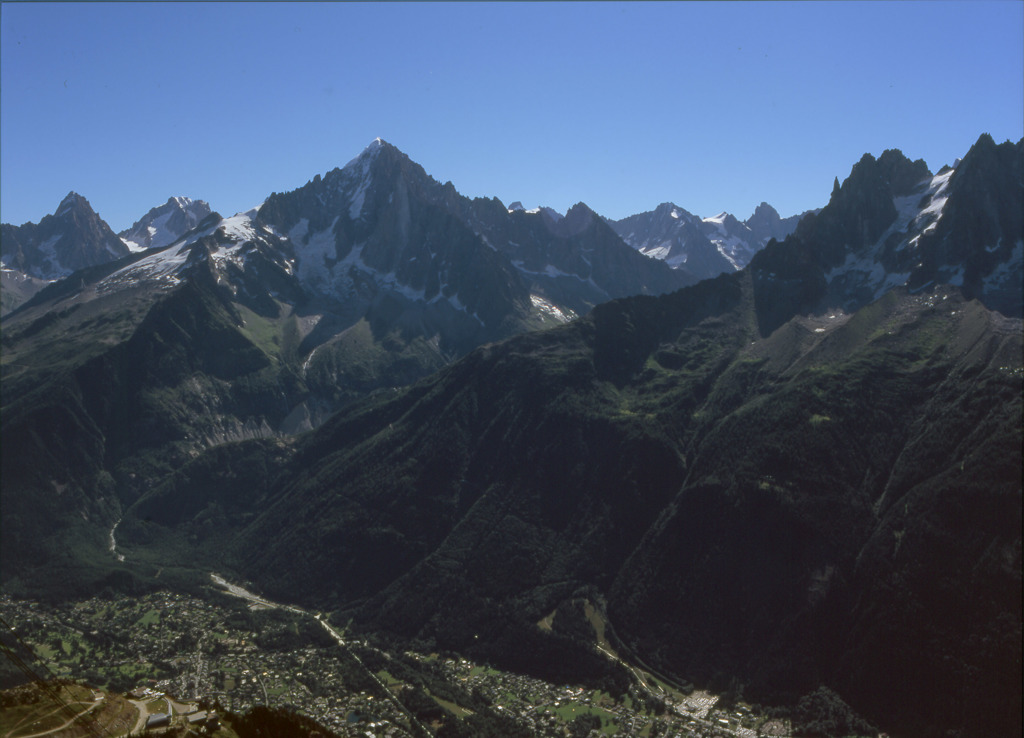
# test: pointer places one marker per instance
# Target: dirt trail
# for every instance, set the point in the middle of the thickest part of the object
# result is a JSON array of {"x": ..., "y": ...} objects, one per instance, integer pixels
[{"x": 13, "y": 733}]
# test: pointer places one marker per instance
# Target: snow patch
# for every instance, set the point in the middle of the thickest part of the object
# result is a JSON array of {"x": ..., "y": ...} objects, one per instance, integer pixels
[
  {"x": 239, "y": 227},
  {"x": 359, "y": 197},
  {"x": 47, "y": 246},
  {"x": 369, "y": 153},
  {"x": 550, "y": 212},
  {"x": 551, "y": 309},
  {"x": 314, "y": 255},
  {"x": 158, "y": 266},
  {"x": 929, "y": 216},
  {"x": 866, "y": 270},
  {"x": 1008, "y": 270},
  {"x": 163, "y": 264},
  {"x": 660, "y": 251}
]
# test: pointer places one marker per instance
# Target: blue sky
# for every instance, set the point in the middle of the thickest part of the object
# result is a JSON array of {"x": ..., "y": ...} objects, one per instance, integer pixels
[{"x": 713, "y": 106}]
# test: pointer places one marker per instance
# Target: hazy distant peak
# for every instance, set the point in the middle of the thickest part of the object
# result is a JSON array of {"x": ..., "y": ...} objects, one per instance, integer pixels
[{"x": 764, "y": 210}]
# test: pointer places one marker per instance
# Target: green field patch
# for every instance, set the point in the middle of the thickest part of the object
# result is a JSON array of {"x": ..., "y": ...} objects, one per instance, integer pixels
[
  {"x": 264, "y": 332},
  {"x": 486, "y": 670},
  {"x": 451, "y": 707},
  {"x": 570, "y": 711},
  {"x": 45, "y": 651},
  {"x": 159, "y": 705},
  {"x": 151, "y": 617},
  {"x": 389, "y": 681}
]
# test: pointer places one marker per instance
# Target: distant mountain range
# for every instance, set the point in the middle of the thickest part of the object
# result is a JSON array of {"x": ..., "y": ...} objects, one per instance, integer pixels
[
  {"x": 548, "y": 258},
  {"x": 75, "y": 237},
  {"x": 802, "y": 472},
  {"x": 704, "y": 247}
]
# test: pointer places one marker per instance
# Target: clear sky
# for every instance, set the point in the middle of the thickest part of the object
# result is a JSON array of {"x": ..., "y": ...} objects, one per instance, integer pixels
[{"x": 713, "y": 106}]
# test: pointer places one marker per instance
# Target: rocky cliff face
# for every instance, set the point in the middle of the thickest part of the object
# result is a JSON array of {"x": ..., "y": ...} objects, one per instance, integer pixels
[
  {"x": 894, "y": 223},
  {"x": 73, "y": 238}
]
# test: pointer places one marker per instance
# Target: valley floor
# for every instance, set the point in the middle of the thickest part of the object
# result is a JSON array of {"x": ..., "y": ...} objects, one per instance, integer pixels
[{"x": 181, "y": 652}]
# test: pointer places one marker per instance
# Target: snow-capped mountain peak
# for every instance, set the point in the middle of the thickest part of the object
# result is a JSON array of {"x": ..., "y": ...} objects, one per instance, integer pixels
[
  {"x": 220, "y": 241},
  {"x": 165, "y": 224},
  {"x": 705, "y": 247},
  {"x": 369, "y": 153}
]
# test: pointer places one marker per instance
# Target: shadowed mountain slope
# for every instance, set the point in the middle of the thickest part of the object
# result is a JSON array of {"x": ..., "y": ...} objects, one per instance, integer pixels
[
  {"x": 804, "y": 473},
  {"x": 786, "y": 510}
]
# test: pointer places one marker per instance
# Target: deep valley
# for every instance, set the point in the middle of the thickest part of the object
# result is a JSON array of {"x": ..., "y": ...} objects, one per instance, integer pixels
[{"x": 506, "y": 474}]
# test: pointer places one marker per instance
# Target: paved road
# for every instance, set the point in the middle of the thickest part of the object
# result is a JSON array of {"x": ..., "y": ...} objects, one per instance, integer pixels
[
  {"x": 140, "y": 723},
  {"x": 257, "y": 600}
]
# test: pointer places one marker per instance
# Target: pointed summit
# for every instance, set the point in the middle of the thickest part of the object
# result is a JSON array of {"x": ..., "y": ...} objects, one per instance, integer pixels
[
  {"x": 376, "y": 145},
  {"x": 577, "y": 219},
  {"x": 74, "y": 237},
  {"x": 372, "y": 150},
  {"x": 70, "y": 201}
]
